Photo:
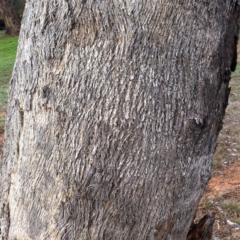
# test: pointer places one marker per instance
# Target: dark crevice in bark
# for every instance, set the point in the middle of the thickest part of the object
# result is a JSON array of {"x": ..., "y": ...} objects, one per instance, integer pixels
[
  {"x": 6, "y": 223},
  {"x": 203, "y": 229},
  {"x": 21, "y": 113},
  {"x": 235, "y": 54}
]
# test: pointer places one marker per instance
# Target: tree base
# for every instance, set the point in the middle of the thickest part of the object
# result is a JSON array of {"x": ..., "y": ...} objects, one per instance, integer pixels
[{"x": 203, "y": 229}]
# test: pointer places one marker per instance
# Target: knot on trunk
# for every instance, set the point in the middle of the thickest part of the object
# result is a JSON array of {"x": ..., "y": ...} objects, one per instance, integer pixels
[{"x": 203, "y": 229}]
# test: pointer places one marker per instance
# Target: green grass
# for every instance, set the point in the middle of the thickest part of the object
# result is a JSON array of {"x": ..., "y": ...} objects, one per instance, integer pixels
[
  {"x": 2, "y": 123},
  {"x": 237, "y": 70},
  {"x": 8, "y": 48},
  {"x": 237, "y": 220},
  {"x": 231, "y": 205},
  {"x": 207, "y": 204}
]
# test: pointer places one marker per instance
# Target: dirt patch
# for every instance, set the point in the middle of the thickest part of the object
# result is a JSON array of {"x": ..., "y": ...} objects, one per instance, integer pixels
[
  {"x": 2, "y": 114},
  {"x": 222, "y": 197},
  {"x": 1, "y": 140},
  {"x": 225, "y": 182}
]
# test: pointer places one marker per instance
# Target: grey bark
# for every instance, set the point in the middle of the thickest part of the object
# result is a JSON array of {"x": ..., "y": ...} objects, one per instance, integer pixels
[
  {"x": 10, "y": 17},
  {"x": 114, "y": 110}
]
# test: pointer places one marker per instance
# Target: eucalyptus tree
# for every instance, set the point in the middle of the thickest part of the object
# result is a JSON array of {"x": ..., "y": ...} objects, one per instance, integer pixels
[
  {"x": 114, "y": 111},
  {"x": 10, "y": 17}
]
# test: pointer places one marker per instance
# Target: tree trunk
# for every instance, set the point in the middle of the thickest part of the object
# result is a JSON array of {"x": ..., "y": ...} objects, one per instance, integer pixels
[
  {"x": 11, "y": 20},
  {"x": 114, "y": 111}
]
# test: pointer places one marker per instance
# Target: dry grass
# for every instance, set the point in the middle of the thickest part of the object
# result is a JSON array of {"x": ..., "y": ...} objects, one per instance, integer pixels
[{"x": 228, "y": 149}]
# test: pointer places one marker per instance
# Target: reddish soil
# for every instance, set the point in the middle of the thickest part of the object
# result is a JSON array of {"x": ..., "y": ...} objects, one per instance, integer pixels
[
  {"x": 223, "y": 187},
  {"x": 2, "y": 114},
  {"x": 225, "y": 181},
  {"x": 1, "y": 139}
]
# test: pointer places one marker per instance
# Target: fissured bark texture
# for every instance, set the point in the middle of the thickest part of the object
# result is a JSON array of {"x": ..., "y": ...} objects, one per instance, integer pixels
[{"x": 114, "y": 111}]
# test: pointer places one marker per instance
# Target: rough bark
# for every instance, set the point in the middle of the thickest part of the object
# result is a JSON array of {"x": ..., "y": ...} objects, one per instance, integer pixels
[
  {"x": 203, "y": 229},
  {"x": 114, "y": 110},
  {"x": 10, "y": 17}
]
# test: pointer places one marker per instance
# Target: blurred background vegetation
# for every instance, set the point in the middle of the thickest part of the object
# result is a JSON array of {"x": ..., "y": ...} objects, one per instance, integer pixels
[{"x": 19, "y": 7}]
